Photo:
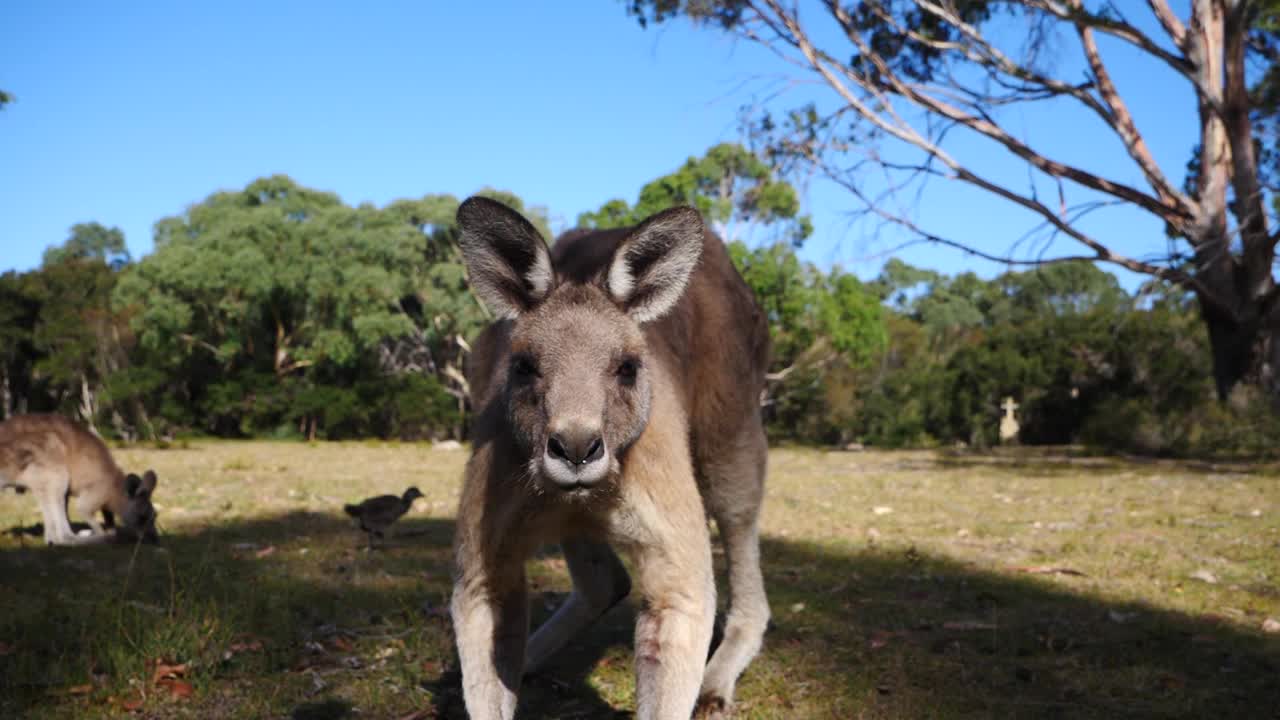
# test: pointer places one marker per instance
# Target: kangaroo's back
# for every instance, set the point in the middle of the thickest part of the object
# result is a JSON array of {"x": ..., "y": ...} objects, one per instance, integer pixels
[{"x": 57, "y": 440}]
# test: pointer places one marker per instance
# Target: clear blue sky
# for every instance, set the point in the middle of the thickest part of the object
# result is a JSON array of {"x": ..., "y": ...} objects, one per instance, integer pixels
[{"x": 128, "y": 112}]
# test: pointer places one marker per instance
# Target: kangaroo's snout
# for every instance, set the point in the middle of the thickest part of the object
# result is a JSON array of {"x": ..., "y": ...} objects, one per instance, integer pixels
[
  {"x": 576, "y": 449},
  {"x": 575, "y": 456}
]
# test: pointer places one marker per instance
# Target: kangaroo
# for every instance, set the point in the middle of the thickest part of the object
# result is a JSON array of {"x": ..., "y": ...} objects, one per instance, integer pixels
[
  {"x": 617, "y": 404},
  {"x": 57, "y": 459}
]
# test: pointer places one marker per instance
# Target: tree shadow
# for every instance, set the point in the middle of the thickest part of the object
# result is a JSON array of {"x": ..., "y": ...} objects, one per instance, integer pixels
[
  {"x": 928, "y": 635},
  {"x": 303, "y": 585},
  {"x": 855, "y": 632},
  {"x": 1073, "y": 458}
]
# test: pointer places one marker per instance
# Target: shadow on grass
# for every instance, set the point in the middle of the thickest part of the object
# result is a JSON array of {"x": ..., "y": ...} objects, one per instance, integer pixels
[
  {"x": 288, "y": 616},
  {"x": 1072, "y": 458}
]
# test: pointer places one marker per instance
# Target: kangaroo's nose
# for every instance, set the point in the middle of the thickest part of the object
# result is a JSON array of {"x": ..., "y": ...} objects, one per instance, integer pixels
[{"x": 575, "y": 448}]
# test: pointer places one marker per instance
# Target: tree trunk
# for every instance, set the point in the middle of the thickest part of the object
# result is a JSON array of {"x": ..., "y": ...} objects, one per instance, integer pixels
[
  {"x": 88, "y": 404},
  {"x": 1245, "y": 350},
  {"x": 143, "y": 420}
]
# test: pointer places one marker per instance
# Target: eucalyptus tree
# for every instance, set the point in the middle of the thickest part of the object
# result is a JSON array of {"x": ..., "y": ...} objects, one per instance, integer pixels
[
  {"x": 901, "y": 82},
  {"x": 733, "y": 188}
]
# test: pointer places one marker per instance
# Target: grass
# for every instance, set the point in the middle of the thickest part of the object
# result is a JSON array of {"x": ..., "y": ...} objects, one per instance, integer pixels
[{"x": 903, "y": 585}]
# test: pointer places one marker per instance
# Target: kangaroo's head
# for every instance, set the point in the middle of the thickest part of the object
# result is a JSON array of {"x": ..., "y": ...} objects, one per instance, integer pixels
[
  {"x": 138, "y": 521},
  {"x": 577, "y": 387}
]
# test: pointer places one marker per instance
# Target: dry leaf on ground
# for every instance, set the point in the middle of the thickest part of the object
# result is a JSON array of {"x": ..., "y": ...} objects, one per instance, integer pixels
[
  {"x": 167, "y": 671},
  {"x": 176, "y": 688}
]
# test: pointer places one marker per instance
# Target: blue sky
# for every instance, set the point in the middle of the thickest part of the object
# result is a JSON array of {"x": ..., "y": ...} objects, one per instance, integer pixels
[{"x": 128, "y": 112}]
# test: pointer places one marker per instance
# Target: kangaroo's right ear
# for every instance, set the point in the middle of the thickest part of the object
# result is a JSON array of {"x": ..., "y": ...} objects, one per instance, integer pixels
[
  {"x": 507, "y": 260},
  {"x": 132, "y": 483},
  {"x": 149, "y": 480}
]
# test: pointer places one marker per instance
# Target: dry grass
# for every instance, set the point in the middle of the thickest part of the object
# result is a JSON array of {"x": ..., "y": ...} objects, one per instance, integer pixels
[{"x": 898, "y": 581}]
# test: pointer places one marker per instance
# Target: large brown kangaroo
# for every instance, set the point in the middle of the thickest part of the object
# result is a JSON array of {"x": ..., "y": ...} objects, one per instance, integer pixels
[{"x": 617, "y": 401}]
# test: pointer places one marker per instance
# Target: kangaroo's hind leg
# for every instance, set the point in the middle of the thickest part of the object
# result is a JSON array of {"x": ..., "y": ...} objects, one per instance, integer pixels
[
  {"x": 733, "y": 493},
  {"x": 51, "y": 486}
]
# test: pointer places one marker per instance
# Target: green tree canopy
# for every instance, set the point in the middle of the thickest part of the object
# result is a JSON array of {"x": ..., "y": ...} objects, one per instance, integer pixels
[
  {"x": 91, "y": 241},
  {"x": 731, "y": 186},
  {"x": 277, "y": 276}
]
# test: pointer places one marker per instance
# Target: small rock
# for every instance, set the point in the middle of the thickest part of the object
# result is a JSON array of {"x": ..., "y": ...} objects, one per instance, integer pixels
[
  {"x": 1204, "y": 575},
  {"x": 881, "y": 510},
  {"x": 1255, "y": 513},
  {"x": 1271, "y": 625},
  {"x": 873, "y": 534},
  {"x": 962, "y": 532},
  {"x": 446, "y": 445},
  {"x": 1119, "y": 617},
  {"x": 797, "y": 607},
  {"x": 854, "y": 447}
]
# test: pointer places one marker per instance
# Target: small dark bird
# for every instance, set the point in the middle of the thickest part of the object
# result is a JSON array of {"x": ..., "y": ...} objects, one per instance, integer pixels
[{"x": 376, "y": 514}]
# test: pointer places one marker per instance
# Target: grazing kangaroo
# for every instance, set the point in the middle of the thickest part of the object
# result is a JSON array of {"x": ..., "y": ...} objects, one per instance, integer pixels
[
  {"x": 57, "y": 459},
  {"x": 617, "y": 401}
]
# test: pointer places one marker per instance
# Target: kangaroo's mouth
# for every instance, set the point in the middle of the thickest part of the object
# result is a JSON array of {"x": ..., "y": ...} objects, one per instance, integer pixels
[{"x": 576, "y": 476}]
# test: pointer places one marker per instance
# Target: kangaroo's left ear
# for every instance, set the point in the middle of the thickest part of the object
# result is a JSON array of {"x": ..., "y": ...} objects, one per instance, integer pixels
[
  {"x": 650, "y": 269},
  {"x": 135, "y": 486},
  {"x": 508, "y": 262}
]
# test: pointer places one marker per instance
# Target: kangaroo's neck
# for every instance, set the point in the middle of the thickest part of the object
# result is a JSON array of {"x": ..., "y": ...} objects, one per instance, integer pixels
[{"x": 117, "y": 499}]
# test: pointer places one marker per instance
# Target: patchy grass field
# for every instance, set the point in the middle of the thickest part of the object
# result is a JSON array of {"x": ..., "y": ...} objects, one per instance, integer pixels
[{"x": 903, "y": 585}]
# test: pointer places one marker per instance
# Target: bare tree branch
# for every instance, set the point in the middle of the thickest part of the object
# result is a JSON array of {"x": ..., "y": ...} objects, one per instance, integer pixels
[
  {"x": 1101, "y": 253},
  {"x": 890, "y": 81},
  {"x": 1116, "y": 28},
  {"x": 1122, "y": 123},
  {"x": 1169, "y": 21}
]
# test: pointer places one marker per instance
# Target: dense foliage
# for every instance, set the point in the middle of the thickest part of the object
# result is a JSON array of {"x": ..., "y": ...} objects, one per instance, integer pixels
[{"x": 278, "y": 310}]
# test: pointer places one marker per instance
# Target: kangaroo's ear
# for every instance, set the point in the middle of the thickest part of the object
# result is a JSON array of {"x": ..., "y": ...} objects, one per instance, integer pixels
[
  {"x": 132, "y": 483},
  {"x": 507, "y": 259},
  {"x": 650, "y": 269},
  {"x": 149, "y": 480}
]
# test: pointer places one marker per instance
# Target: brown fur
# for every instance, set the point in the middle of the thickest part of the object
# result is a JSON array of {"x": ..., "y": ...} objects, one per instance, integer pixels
[
  {"x": 682, "y": 438},
  {"x": 56, "y": 460}
]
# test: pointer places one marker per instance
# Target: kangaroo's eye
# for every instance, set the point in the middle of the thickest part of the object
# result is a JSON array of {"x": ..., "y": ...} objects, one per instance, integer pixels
[
  {"x": 627, "y": 370},
  {"x": 523, "y": 368}
]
